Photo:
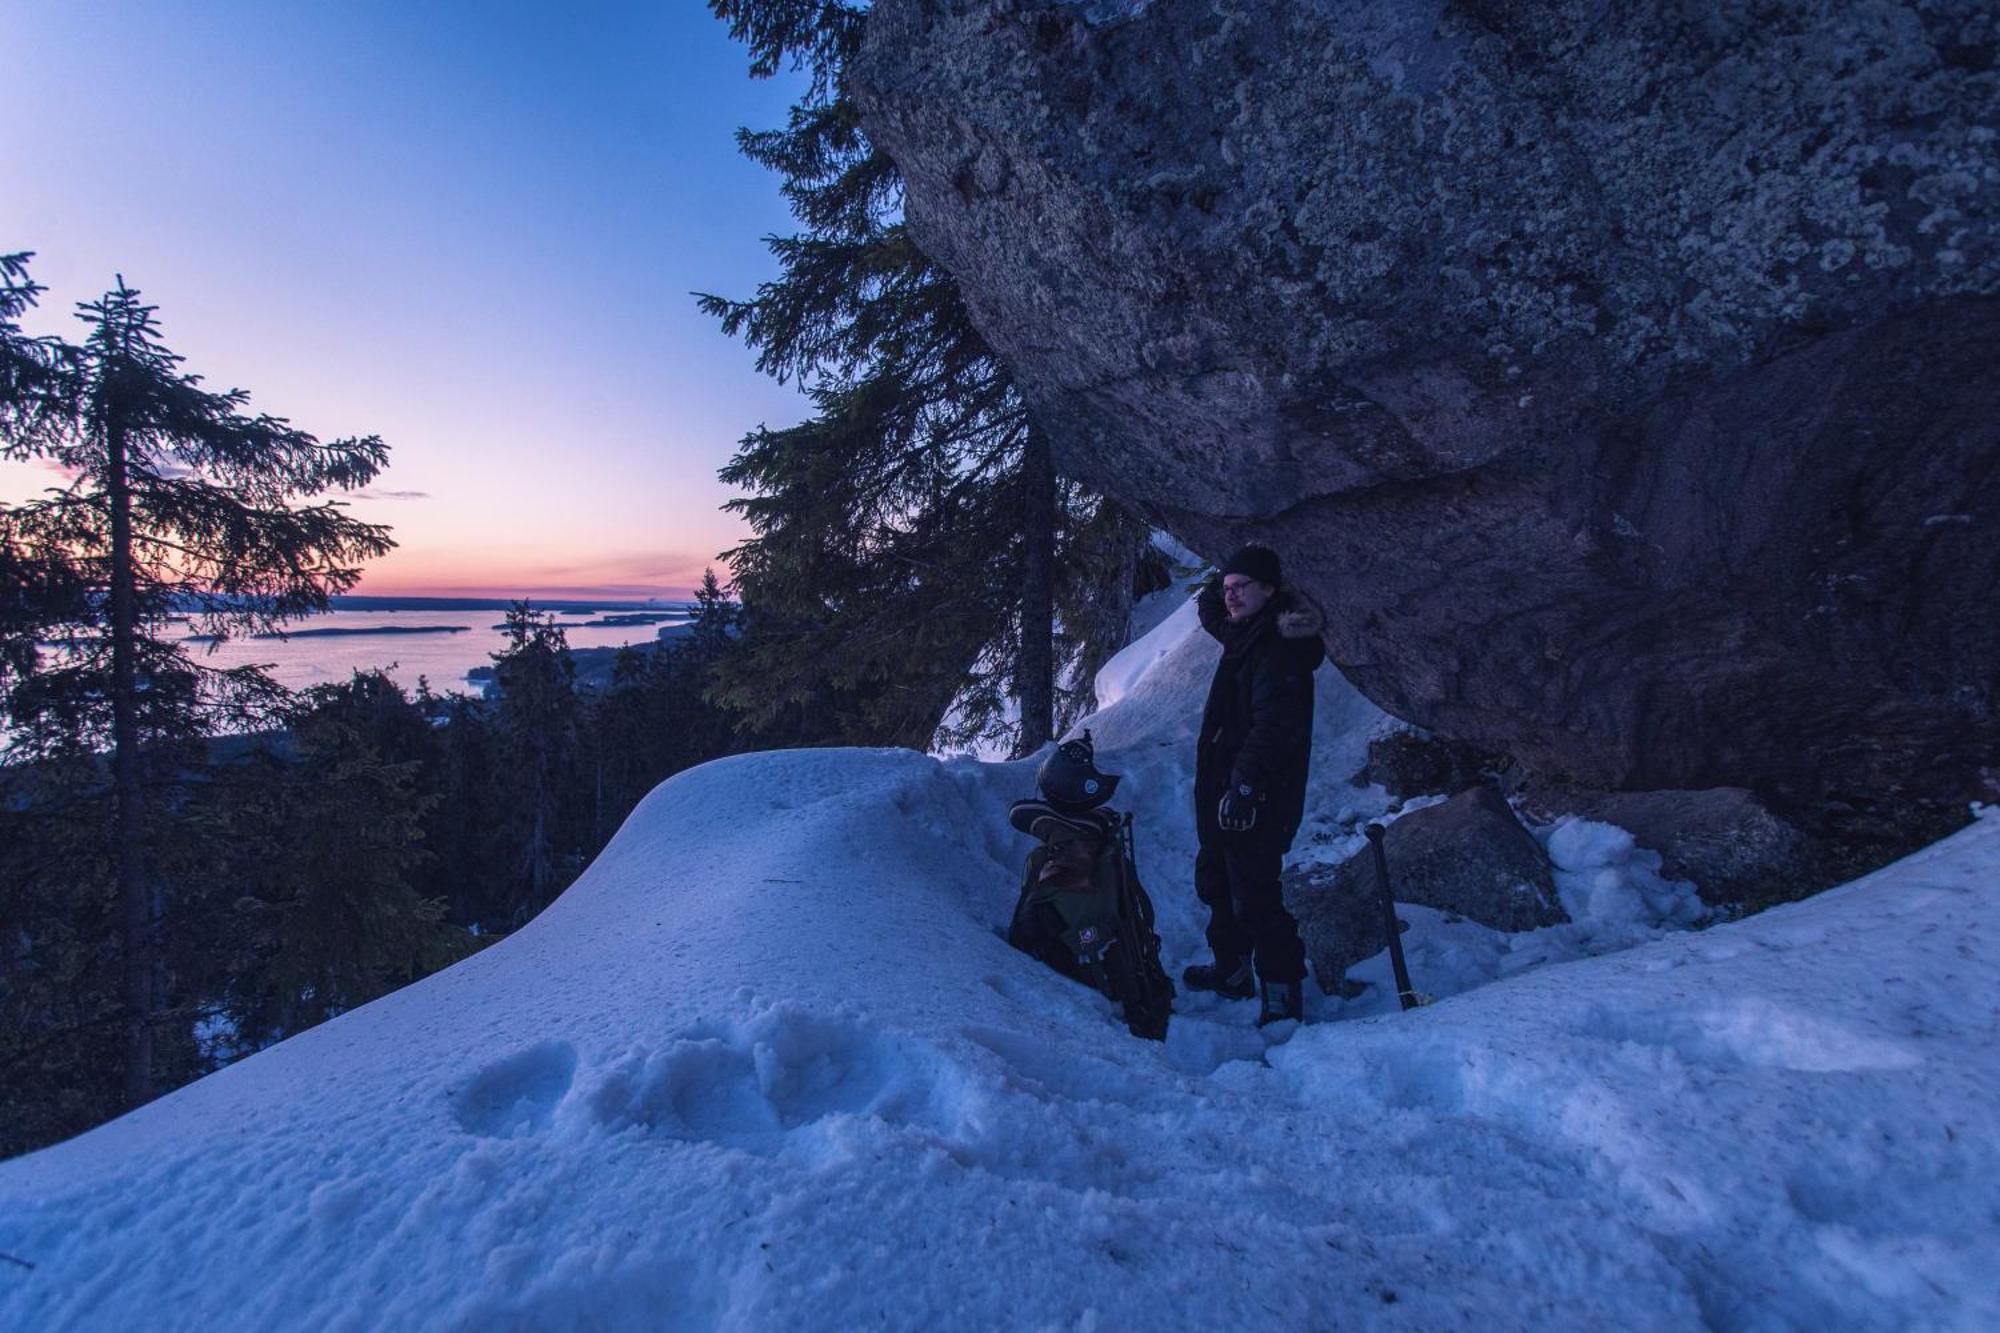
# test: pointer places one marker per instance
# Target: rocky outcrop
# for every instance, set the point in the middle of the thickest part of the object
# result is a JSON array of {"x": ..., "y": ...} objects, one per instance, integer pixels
[
  {"x": 1620, "y": 377},
  {"x": 1723, "y": 841},
  {"x": 1469, "y": 857},
  {"x": 1406, "y": 763}
]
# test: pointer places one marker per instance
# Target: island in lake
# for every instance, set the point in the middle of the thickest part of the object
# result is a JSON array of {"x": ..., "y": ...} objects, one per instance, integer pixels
[
  {"x": 638, "y": 618},
  {"x": 341, "y": 631}
]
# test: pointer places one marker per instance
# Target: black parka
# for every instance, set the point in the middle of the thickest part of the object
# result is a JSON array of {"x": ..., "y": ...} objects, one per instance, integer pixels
[{"x": 1256, "y": 728}]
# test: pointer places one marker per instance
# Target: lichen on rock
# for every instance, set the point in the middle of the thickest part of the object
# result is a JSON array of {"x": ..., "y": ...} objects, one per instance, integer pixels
[{"x": 1598, "y": 366}]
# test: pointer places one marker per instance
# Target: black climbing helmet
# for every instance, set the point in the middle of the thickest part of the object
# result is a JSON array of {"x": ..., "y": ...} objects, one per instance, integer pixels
[
  {"x": 1040, "y": 819},
  {"x": 1069, "y": 778}
]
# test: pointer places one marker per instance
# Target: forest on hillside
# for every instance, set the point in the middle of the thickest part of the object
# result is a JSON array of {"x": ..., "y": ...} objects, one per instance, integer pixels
[{"x": 196, "y": 863}]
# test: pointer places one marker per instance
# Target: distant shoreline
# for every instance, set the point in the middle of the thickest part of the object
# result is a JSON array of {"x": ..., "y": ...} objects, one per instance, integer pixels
[
  {"x": 557, "y": 606},
  {"x": 341, "y": 631},
  {"x": 627, "y": 620}
]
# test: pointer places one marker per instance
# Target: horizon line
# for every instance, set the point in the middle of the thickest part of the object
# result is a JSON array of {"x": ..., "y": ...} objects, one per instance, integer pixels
[{"x": 515, "y": 592}]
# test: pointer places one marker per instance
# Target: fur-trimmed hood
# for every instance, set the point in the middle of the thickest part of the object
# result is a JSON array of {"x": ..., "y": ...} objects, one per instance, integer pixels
[{"x": 1298, "y": 615}]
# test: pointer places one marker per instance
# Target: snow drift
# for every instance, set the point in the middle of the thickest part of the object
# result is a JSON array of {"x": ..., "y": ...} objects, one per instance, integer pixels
[{"x": 768, "y": 1064}]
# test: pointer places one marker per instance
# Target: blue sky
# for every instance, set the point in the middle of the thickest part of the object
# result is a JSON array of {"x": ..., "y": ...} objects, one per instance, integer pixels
[{"x": 469, "y": 228}]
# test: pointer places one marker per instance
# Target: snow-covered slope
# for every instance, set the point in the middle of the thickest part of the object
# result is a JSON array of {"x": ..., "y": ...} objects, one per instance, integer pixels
[{"x": 769, "y": 1065}]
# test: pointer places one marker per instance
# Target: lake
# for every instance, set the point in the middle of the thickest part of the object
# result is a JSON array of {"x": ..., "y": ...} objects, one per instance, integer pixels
[{"x": 433, "y": 640}]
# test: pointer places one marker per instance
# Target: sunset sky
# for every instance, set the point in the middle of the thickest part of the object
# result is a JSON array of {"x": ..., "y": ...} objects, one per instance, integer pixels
[{"x": 470, "y": 228}]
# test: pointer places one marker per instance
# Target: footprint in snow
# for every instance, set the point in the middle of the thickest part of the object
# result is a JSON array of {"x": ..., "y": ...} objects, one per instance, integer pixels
[
  {"x": 1205, "y": 1043},
  {"x": 1042, "y": 1068},
  {"x": 516, "y": 1095},
  {"x": 756, "y": 1087}
]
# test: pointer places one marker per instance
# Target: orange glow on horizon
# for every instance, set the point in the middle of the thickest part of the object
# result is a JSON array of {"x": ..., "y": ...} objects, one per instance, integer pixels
[
  {"x": 666, "y": 578},
  {"x": 532, "y": 592}
]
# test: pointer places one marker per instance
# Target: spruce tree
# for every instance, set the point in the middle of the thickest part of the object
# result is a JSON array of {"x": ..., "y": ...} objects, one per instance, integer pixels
[
  {"x": 34, "y": 372},
  {"x": 1035, "y": 668},
  {"x": 714, "y": 616},
  {"x": 61, "y": 999},
  {"x": 536, "y": 713},
  {"x": 625, "y": 751},
  {"x": 690, "y": 674},
  {"x": 470, "y": 828},
  {"x": 181, "y": 504},
  {"x": 656, "y": 718},
  {"x": 910, "y": 540},
  {"x": 38, "y": 591},
  {"x": 328, "y": 849}
]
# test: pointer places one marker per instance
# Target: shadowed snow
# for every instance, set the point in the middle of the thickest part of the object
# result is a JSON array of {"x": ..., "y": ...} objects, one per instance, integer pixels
[{"x": 768, "y": 1064}]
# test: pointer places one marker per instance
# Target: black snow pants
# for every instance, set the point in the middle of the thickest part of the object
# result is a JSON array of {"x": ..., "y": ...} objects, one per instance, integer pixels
[{"x": 1236, "y": 878}]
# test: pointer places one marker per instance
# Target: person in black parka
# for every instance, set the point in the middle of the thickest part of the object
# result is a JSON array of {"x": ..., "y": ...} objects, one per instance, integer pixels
[{"x": 1250, "y": 778}]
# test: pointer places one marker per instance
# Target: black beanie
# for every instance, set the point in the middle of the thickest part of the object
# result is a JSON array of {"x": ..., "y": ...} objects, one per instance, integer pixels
[{"x": 1256, "y": 562}]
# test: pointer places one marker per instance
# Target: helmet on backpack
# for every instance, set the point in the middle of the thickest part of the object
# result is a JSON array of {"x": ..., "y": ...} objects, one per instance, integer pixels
[
  {"x": 1069, "y": 779},
  {"x": 1044, "y": 821}
]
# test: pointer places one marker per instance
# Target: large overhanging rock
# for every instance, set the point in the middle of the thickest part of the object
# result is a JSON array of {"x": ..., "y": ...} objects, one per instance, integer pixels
[{"x": 1621, "y": 377}]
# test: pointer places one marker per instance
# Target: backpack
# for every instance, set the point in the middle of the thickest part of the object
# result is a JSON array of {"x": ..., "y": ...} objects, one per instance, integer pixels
[{"x": 1096, "y": 928}]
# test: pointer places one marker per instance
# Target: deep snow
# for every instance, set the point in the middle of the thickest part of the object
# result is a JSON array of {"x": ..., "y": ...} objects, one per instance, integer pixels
[{"x": 768, "y": 1064}]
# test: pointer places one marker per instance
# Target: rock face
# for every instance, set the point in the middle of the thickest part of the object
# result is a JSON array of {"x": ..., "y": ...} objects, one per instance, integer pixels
[
  {"x": 1723, "y": 840},
  {"x": 1407, "y": 763},
  {"x": 1469, "y": 856},
  {"x": 1622, "y": 378}
]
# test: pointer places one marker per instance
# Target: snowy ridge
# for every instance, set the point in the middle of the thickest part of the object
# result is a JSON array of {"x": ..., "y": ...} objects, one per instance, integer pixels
[{"x": 768, "y": 1065}]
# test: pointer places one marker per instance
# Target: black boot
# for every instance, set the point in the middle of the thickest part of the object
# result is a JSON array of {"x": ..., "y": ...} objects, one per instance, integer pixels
[
  {"x": 1234, "y": 982},
  {"x": 1282, "y": 1000}
]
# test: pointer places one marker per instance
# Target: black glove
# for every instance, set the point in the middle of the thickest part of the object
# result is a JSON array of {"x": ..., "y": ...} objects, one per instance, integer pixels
[{"x": 1238, "y": 811}]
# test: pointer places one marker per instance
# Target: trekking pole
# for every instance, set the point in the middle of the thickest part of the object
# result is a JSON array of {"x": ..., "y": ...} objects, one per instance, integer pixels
[
  {"x": 1150, "y": 979},
  {"x": 1404, "y": 992}
]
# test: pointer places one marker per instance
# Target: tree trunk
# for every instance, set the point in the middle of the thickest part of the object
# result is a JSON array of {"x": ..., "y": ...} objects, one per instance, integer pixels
[
  {"x": 1111, "y": 554},
  {"x": 538, "y": 858},
  {"x": 1035, "y": 667},
  {"x": 1111, "y": 624},
  {"x": 597, "y": 813},
  {"x": 138, "y": 924}
]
